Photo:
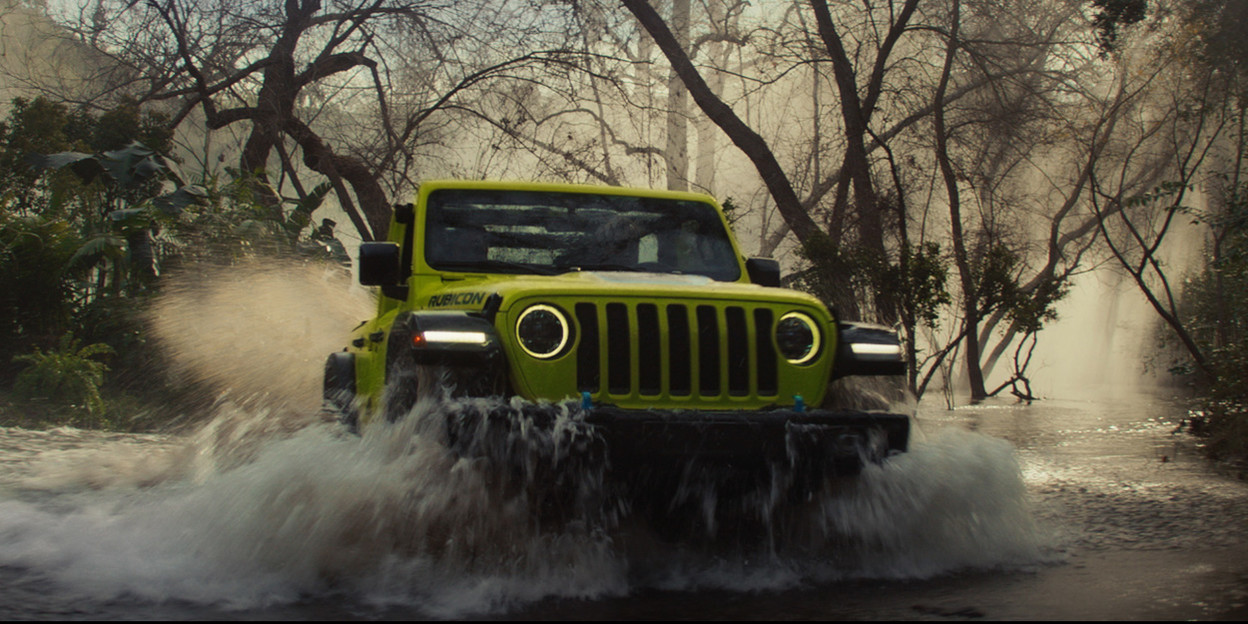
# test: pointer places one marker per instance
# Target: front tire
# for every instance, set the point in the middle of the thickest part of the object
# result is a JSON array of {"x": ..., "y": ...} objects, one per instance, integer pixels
[
  {"x": 402, "y": 377},
  {"x": 338, "y": 389}
]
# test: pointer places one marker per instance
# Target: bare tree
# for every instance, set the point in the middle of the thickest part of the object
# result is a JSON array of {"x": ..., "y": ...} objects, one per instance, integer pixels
[
  {"x": 290, "y": 72},
  {"x": 1008, "y": 114},
  {"x": 1138, "y": 206},
  {"x": 39, "y": 57}
]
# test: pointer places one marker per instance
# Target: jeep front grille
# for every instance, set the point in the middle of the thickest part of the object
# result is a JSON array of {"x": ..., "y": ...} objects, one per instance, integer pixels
[{"x": 651, "y": 350}]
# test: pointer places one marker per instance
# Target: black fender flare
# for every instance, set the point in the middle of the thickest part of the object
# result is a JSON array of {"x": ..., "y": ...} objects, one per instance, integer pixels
[
  {"x": 462, "y": 344},
  {"x": 444, "y": 337},
  {"x": 867, "y": 349}
]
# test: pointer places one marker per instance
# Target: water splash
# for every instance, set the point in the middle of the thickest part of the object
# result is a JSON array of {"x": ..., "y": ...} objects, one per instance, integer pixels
[
  {"x": 390, "y": 516},
  {"x": 258, "y": 332},
  {"x": 268, "y": 503},
  {"x": 395, "y": 518},
  {"x": 956, "y": 500}
]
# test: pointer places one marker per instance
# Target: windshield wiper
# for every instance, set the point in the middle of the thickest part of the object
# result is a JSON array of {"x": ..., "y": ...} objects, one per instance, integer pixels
[
  {"x": 644, "y": 267},
  {"x": 498, "y": 266},
  {"x": 603, "y": 266}
]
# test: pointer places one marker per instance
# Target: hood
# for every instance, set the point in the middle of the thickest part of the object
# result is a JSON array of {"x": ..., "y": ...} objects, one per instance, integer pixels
[{"x": 473, "y": 293}]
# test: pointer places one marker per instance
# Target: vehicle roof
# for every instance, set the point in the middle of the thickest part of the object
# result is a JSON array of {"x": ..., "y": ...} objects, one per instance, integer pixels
[{"x": 556, "y": 187}]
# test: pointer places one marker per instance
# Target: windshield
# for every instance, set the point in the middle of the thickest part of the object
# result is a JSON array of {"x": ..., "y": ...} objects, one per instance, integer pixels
[{"x": 550, "y": 233}]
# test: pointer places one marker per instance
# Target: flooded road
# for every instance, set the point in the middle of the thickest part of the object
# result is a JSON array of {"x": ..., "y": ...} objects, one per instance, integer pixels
[
  {"x": 1055, "y": 510},
  {"x": 1061, "y": 509}
]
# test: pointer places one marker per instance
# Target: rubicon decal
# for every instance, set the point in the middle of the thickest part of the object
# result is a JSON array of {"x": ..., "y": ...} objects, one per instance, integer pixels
[{"x": 457, "y": 299}]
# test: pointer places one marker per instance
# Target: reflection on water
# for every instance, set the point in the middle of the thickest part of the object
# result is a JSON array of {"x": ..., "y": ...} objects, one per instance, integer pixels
[{"x": 1114, "y": 473}]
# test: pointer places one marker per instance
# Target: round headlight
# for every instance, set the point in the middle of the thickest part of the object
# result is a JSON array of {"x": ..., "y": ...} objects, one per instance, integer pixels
[
  {"x": 798, "y": 338},
  {"x": 543, "y": 331}
]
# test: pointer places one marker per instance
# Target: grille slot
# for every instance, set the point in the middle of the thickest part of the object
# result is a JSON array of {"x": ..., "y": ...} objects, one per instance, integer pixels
[
  {"x": 680, "y": 374},
  {"x": 766, "y": 350},
  {"x": 649, "y": 352},
  {"x": 619, "y": 357},
  {"x": 708, "y": 351},
  {"x": 588, "y": 368},
  {"x": 738, "y": 352},
  {"x": 655, "y": 350}
]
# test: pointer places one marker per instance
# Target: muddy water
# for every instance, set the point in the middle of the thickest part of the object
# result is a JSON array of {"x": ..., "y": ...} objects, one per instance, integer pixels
[{"x": 1059, "y": 509}]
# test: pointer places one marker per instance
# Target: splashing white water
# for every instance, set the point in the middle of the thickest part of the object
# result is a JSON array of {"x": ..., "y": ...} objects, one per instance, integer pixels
[
  {"x": 956, "y": 500},
  {"x": 268, "y": 504},
  {"x": 391, "y": 516},
  {"x": 260, "y": 330}
]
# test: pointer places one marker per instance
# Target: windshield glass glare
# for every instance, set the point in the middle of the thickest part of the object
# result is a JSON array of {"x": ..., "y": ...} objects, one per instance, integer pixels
[{"x": 547, "y": 233}]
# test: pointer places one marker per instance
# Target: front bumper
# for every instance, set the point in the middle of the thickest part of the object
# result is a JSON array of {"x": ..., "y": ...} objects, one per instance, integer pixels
[
  {"x": 635, "y": 445},
  {"x": 829, "y": 442}
]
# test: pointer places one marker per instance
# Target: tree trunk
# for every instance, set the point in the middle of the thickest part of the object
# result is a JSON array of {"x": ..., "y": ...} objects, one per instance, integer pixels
[
  {"x": 676, "y": 152},
  {"x": 970, "y": 296},
  {"x": 707, "y": 133},
  {"x": 275, "y": 103},
  {"x": 744, "y": 137}
]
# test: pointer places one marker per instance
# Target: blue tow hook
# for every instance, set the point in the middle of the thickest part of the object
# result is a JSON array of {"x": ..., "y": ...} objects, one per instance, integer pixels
[
  {"x": 799, "y": 404},
  {"x": 586, "y": 402}
]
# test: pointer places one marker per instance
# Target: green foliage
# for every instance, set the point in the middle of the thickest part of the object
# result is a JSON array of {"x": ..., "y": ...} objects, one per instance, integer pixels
[
  {"x": 1031, "y": 310},
  {"x": 80, "y": 222},
  {"x": 1219, "y": 26},
  {"x": 919, "y": 282},
  {"x": 66, "y": 374},
  {"x": 40, "y": 126},
  {"x": 838, "y": 276},
  {"x": 136, "y": 206},
  {"x": 127, "y": 124},
  {"x": 138, "y": 369},
  {"x": 231, "y": 222},
  {"x": 36, "y": 293},
  {"x": 84, "y": 233},
  {"x": 732, "y": 212},
  {"x": 1114, "y": 15},
  {"x": 1215, "y": 306},
  {"x": 995, "y": 272},
  {"x": 1161, "y": 192},
  {"x": 920, "y": 278}
]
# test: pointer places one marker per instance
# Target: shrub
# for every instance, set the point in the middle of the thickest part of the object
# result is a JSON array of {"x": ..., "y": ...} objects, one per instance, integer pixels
[{"x": 67, "y": 374}]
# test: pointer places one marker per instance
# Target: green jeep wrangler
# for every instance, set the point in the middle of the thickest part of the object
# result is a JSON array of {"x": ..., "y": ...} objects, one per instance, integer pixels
[{"x": 632, "y": 310}]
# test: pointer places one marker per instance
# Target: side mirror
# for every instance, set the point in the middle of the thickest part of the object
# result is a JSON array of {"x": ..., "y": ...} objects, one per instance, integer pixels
[
  {"x": 763, "y": 271},
  {"x": 380, "y": 264}
]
